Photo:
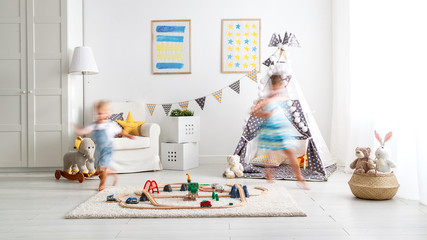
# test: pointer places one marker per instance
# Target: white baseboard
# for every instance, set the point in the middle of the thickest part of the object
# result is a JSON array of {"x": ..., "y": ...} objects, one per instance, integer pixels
[{"x": 212, "y": 159}]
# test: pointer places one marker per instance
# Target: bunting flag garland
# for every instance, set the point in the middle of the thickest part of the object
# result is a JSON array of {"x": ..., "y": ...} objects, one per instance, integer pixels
[
  {"x": 151, "y": 108},
  {"x": 236, "y": 86},
  {"x": 183, "y": 105},
  {"x": 218, "y": 94},
  {"x": 167, "y": 108},
  {"x": 252, "y": 75},
  {"x": 201, "y": 102}
]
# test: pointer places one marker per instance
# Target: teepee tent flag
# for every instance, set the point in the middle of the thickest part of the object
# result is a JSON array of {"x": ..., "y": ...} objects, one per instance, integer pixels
[
  {"x": 268, "y": 62},
  {"x": 252, "y": 75},
  {"x": 201, "y": 102},
  {"x": 285, "y": 39},
  {"x": 236, "y": 86},
  {"x": 167, "y": 108},
  {"x": 293, "y": 42},
  {"x": 274, "y": 41},
  {"x": 183, "y": 105},
  {"x": 151, "y": 108},
  {"x": 218, "y": 95},
  {"x": 309, "y": 140}
]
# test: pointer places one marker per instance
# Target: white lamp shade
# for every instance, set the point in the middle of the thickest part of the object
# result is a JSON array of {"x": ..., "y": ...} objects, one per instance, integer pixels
[{"x": 83, "y": 61}]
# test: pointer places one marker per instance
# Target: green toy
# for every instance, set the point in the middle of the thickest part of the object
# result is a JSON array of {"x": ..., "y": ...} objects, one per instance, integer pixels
[
  {"x": 216, "y": 197},
  {"x": 213, "y": 195}
]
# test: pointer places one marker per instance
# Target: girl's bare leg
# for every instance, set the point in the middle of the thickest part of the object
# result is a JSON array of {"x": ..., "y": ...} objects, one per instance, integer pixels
[
  {"x": 103, "y": 178},
  {"x": 295, "y": 167},
  {"x": 269, "y": 174}
]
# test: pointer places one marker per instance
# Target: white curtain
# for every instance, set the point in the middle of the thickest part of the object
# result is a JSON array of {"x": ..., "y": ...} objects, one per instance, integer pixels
[{"x": 380, "y": 53}]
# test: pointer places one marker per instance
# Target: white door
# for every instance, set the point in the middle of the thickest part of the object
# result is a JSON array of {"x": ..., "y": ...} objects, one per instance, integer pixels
[
  {"x": 46, "y": 85},
  {"x": 33, "y": 88},
  {"x": 13, "y": 84}
]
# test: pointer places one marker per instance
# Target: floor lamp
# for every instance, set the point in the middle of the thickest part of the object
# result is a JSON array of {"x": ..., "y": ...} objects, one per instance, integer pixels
[{"x": 83, "y": 63}]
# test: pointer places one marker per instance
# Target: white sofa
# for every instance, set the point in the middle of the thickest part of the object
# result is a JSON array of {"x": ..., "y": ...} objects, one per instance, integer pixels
[{"x": 142, "y": 153}]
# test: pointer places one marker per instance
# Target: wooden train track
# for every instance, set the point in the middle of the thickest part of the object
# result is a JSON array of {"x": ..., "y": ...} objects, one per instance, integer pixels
[{"x": 156, "y": 205}]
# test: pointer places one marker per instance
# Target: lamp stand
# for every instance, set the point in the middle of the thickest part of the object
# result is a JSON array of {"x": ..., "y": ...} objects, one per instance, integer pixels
[{"x": 84, "y": 97}]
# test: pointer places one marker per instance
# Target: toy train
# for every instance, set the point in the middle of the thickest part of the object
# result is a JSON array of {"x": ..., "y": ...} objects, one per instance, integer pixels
[{"x": 205, "y": 203}]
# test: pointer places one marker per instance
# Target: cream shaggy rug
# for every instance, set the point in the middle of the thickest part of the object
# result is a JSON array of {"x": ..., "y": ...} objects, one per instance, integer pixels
[{"x": 276, "y": 203}]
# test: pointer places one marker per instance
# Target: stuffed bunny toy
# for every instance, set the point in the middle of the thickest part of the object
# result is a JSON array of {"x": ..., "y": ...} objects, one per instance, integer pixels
[{"x": 382, "y": 155}]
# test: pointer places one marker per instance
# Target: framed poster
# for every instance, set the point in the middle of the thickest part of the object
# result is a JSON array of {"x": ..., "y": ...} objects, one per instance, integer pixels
[
  {"x": 240, "y": 43},
  {"x": 171, "y": 46}
]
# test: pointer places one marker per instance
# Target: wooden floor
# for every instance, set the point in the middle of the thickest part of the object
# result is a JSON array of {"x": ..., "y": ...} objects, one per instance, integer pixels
[{"x": 33, "y": 205}]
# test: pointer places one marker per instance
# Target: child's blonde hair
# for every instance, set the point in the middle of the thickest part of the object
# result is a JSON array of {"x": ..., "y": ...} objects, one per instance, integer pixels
[
  {"x": 275, "y": 79},
  {"x": 101, "y": 104}
]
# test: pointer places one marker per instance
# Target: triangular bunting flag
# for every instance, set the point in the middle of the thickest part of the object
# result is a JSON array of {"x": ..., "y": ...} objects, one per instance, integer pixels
[
  {"x": 274, "y": 41},
  {"x": 268, "y": 62},
  {"x": 293, "y": 42},
  {"x": 167, "y": 108},
  {"x": 236, "y": 86},
  {"x": 201, "y": 102},
  {"x": 218, "y": 95},
  {"x": 253, "y": 75},
  {"x": 280, "y": 39},
  {"x": 286, "y": 38},
  {"x": 151, "y": 108},
  {"x": 183, "y": 105}
]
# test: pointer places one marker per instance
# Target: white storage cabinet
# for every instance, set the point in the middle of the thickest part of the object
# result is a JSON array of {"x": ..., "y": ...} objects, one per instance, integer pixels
[
  {"x": 180, "y": 156},
  {"x": 182, "y": 129}
]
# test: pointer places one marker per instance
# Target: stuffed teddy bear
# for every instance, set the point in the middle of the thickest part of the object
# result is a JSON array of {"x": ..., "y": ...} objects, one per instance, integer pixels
[
  {"x": 363, "y": 163},
  {"x": 235, "y": 168}
]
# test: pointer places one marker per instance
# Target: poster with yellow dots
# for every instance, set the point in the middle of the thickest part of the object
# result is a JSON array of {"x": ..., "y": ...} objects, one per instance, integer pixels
[{"x": 241, "y": 45}]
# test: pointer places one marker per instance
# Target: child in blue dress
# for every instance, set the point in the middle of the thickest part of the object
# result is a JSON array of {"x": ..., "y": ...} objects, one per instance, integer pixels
[
  {"x": 104, "y": 131},
  {"x": 274, "y": 132}
]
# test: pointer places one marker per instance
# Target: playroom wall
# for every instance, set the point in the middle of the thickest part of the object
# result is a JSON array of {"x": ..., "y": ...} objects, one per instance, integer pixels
[{"x": 119, "y": 33}]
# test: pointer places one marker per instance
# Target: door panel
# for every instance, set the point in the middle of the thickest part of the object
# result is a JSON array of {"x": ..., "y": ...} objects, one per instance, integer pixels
[
  {"x": 10, "y": 74},
  {"x": 13, "y": 108},
  {"x": 10, "y": 109},
  {"x": 45, "y": 81},
  {"x": 48, "y": 149},
  {"x": 9, "y": 154}
]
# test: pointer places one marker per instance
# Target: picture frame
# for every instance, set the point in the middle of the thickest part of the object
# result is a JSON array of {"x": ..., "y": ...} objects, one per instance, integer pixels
[
  {"x": 171, "y": 46},
  {"x": 240, "y": 45}
]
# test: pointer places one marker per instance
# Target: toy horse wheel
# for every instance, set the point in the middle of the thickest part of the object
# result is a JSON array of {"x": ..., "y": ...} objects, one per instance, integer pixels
[
  {"x": 80, "y": 177},
  {"x": 58, "y": 174}
]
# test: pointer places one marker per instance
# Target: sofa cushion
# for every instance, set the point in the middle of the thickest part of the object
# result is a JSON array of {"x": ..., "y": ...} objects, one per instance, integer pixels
[{"x": 126, "y": 143}]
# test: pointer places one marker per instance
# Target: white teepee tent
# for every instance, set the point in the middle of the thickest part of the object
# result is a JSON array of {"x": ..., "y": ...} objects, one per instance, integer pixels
[{"x": 320, "y": 162}]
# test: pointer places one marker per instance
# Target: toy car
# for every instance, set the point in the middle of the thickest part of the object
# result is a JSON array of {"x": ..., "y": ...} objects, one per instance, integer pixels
[
  {"x": 218, "y": 187},
  {"x": 111, "y": 198},
  {"x": 205, "y": 203},
  {"x": 131, "y": 201}
]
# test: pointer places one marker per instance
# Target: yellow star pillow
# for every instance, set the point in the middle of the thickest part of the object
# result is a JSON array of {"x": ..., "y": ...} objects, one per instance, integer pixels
[{"x": 129, "y": 125}]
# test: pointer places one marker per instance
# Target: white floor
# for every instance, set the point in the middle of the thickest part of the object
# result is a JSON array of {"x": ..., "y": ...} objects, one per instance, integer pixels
[{"x": 33, "y": 205}]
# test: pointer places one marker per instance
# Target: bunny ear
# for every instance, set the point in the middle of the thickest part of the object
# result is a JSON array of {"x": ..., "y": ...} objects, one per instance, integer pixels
[
  {"x": 388, "y": 136},
  {"x": 377, "y": 136}
]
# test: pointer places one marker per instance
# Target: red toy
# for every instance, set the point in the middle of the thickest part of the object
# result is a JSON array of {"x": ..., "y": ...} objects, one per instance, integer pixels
[
  {"x": 205, "y": 203},
  {"x": 152, "y": 185}
]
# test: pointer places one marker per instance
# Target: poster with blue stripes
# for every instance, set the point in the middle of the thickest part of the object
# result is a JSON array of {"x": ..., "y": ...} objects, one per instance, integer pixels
[{"x": 171, "y": 46}]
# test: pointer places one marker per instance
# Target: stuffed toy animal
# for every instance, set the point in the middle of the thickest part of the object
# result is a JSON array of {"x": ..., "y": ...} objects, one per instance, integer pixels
[
  {"x": 83, "y": 158},
  {"x": 235, "y": 168},
  {"x": 363, "y": 163},
  {"x": 382, "y": 155}
]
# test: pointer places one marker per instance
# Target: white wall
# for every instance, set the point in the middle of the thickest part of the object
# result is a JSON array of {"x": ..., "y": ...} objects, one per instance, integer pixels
[{"x": 120, "y": 34}]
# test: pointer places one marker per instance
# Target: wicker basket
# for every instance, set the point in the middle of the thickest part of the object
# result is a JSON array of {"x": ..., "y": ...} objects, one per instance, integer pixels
[{"x": 374, "y": 186}]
